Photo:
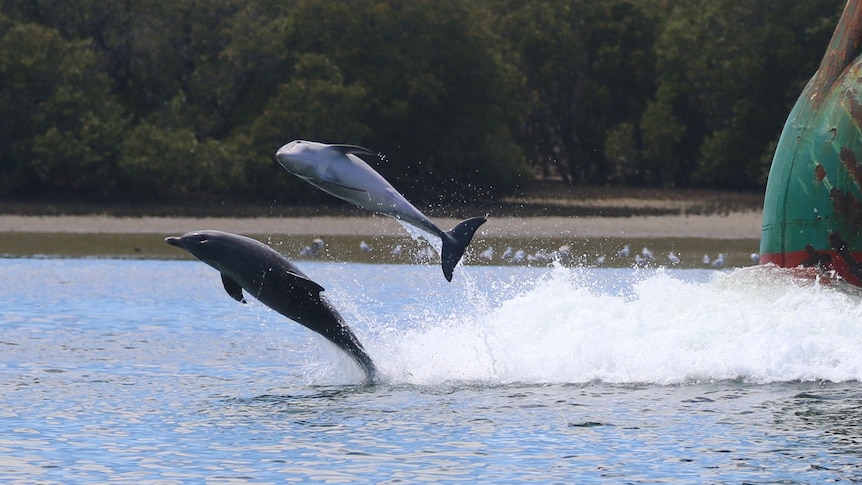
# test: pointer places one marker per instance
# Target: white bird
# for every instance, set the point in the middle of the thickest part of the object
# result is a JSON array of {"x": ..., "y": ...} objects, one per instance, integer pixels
[
  {"x": 719, "y": 261},
  {"x": 674, "y": 259},
  {"x": 563, "y": 254},
  {"x": 755, "y": 258},
  {"x": 540, "y": 256},
  {"x": 426, "y": 253},
  {"x": 364, "y": 246},
  {"x": 705, "y": 259},
  {"x": 507, "y": 253},
  {"x": 647, "y": 253},
  {"x": 488, "y": 254},
  {"x": 624, "y": 252},
  {"x": 314, "y": 249},
  {"x": 519, "y": 256},
  {"x": 600, "y": 260},
  {"x": 396, "y": 250}
]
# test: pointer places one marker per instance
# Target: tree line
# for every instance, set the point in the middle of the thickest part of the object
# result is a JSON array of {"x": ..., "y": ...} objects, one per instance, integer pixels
[{"x": 122, "y": 99}]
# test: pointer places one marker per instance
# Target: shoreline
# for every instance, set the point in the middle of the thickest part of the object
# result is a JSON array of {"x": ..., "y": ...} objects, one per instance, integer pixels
[
  {"x": 735, "y": 225},
  {"x": 589, "y": 239}
]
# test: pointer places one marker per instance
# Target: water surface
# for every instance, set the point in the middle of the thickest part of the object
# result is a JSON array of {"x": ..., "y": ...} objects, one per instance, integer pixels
[{"x": 146, "y": 371}]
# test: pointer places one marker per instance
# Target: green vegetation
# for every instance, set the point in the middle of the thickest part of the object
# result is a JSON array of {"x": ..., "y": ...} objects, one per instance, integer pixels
[{"x": 109, "y": 100}]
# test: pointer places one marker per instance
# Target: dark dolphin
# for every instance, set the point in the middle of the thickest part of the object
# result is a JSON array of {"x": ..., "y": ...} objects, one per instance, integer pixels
[
  {"x": 250, "y": 265},
  {"x": 338, "y": 170}
]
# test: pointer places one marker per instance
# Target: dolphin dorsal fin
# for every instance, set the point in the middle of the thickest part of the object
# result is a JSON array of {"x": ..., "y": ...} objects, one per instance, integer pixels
[
  {"x": 232, "y": 287},
  {"x": 356, "y": 150}
]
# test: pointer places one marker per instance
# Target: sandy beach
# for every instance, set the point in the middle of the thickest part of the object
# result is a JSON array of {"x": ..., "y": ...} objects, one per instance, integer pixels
[{"x": 736, "y": 225}]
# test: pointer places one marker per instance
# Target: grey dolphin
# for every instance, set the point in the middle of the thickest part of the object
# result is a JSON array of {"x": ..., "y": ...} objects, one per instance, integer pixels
[
  {"x": 337, "y": 170},
  {"x": 250, "y": 265}
]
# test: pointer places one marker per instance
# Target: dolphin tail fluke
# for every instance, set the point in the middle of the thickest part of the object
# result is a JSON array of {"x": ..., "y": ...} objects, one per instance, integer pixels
[{"x": 456, "y": 243}]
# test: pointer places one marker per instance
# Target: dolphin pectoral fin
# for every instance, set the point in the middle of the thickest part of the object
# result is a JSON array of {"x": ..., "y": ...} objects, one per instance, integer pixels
[
  {"x": 233, "y": 288},
  {"x": 352, "y": 149},
  {"x": 455, "y": 243},
  {"x": 335, "y": 186},
  {"x": 300, "y": 281},
  {"x": 330, "y": 181}
]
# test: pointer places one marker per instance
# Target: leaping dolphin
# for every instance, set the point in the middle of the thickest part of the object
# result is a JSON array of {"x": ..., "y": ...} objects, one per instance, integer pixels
[
  {"x": 248, "y": 264},
  {"x": 337, "y": 170}
]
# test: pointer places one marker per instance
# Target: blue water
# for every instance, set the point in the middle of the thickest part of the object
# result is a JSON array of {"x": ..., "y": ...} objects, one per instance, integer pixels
[{"x": 147, "y": 372}]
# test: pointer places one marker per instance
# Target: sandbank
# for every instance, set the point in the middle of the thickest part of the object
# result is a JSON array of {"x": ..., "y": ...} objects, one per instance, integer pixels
[{"x": 735, "y": 225}]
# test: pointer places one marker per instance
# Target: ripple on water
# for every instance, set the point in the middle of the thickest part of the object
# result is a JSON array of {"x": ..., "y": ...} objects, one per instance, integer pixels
[{"x": 135, "y": 372}]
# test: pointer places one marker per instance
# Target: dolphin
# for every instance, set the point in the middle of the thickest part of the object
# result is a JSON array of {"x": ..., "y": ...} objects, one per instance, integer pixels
[
  {"x": 338, "y": 170},
  {"x": 250, "y": 265}
]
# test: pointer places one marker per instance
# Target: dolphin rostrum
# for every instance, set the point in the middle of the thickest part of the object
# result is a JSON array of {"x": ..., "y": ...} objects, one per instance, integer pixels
[
  {"x": 338, "y": 170},
  {"x": 250, "y": 265}
]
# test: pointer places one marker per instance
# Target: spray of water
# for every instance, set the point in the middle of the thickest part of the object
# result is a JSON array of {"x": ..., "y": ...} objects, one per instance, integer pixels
[{"x": 572, "y": 326}]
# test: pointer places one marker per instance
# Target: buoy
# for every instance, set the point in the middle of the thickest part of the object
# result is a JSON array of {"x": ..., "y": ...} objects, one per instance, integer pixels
[{"x": 812, "y": 210}]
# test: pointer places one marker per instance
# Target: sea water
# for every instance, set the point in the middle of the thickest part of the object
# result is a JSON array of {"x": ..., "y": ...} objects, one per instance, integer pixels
[{"x": 123, "y": 371}]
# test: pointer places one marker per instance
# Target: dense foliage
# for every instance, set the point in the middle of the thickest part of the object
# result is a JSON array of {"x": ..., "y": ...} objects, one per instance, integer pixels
[{"x": 114, "y": 99}]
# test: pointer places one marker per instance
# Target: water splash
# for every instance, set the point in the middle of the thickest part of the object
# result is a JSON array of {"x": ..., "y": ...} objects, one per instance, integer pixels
[{"x": 580, "y": 325}]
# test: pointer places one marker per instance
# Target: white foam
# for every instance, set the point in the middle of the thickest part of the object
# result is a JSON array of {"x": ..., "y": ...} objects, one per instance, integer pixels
[{"x": 757, "y": 324}]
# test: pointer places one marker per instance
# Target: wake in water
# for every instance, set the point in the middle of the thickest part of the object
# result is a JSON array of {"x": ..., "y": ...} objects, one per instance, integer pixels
[{"x": 756, "y": 324}]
